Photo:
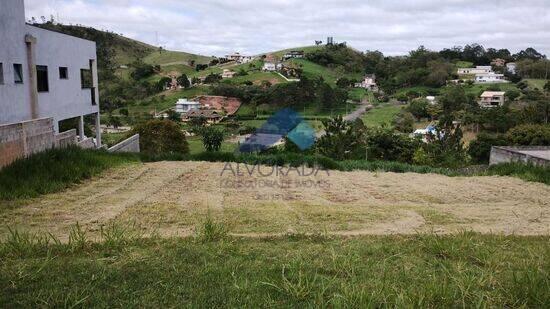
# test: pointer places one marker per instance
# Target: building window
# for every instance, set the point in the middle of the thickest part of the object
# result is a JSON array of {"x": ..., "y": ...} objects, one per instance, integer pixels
[
  {"x": 1, "y": 73},
  {"x": 86, "y": 79},
  {"x": 42, "y": 78},
  {"x": 18, "y": 73},
  {"x": 63, "y": 73}
]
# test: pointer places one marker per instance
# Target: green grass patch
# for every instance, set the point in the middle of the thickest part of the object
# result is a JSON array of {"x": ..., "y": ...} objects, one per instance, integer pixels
[
  {"x": 294, "y": 271},
  {"x": 536, "y": 83},
  {"x": 382, "y": 114},
  {"x": 522, "y": 171},
  {"x": 477, "y": 89},
  {"x": 174, "y": 57},
  {"x": 55, "y": 170}
]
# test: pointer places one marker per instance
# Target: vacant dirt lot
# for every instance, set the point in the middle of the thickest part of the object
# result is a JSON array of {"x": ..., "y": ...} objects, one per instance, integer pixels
[{"x": 172, "y": 198}]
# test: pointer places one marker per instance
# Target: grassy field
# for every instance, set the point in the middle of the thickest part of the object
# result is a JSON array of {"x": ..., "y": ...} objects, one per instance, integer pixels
[
  {"x": 466, "y": 270},
  {"x": 55, "y": 170},
  {"x": 383, "y": 114},
  {"x": 174, "y": 57},
  {"x": 476, "y": 89},
  {"x": 536, "y": 83},
  {"x": 196, "y": 146},
  {"x": 313, "y": 70}
]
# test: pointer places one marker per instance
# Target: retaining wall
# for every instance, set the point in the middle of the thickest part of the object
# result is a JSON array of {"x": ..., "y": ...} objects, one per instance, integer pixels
[
  {"x": 514, "y": 154},
  {"x": 129, "y": 145}
]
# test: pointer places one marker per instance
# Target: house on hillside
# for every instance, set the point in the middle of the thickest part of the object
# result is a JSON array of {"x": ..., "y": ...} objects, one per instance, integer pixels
[
  {"x": 369, "y": 82},
  {"x": 477, "y": 70},
  {"x": 183, "y": 106},
  {"x": 228, "y": 74},
  {"x": 211, "y": 116},
  {"x": 43, "y": 75},
  {"x": 498, "y": 62},
  {"x": 237, "y": 57},
  {"x": 491, "y": 99},
  {"x": 490, "y": 78},
  {"x": 272, "y": 66},
  {"x": 295, "y": 54},
  {"x": 511, "y": 67}
]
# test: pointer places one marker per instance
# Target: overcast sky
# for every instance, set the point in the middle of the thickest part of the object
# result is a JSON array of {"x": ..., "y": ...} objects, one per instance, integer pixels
[{"x": 218, "y": 27}]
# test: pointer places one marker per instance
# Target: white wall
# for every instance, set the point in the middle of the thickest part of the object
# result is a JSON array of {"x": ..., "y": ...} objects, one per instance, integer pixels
[
  {"x": 14, "y": 98},
  {"x": 65, "y": 98}
]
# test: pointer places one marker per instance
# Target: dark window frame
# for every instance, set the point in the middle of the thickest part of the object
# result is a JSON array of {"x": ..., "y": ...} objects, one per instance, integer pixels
[
  {"x": 42, "y": 78},
  {"x": 86, "y": 79},
  {"x": 18, "y": 73},
  {"x": 63, "y": 73},
  {"x": 1, "y": 73}
]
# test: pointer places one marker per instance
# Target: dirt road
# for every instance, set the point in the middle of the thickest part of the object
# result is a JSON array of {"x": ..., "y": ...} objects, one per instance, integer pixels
[{"x": 172, "y": 198}]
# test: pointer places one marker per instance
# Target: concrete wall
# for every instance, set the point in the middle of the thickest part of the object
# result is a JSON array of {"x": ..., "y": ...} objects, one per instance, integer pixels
[
  {"x": 129, "y": 145},
  {"x": 65, "y": 139},
  {"x": 65, "y": 98},
  {"x": 25, "y": 138},
  {"x": 513, "y": 154}
]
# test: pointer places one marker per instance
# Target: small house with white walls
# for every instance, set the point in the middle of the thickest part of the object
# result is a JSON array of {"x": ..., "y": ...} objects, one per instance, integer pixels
[
  {"x": 511, "y": 67},
  {"x": 480, "y": 69},
  {"x": 490, "y": 78},
  {"x": 183, "y": 106},
  {"x": 45, "y": 74}
]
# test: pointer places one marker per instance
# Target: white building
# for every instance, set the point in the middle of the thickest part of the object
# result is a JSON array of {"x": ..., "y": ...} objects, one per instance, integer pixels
[
  {"x": 511, "y": 67},
  {"x": 272, "y": 67},
  {"x": 45, "y": 74},
  {"x": 237, "y": 57},
  {"x": 431, "y": 99},
  {"x": 490, "y": 78},
  {"x": 480, "y": 69},
  {"x": 369, "y": 82},
  {"x": 183, "y": 106}
]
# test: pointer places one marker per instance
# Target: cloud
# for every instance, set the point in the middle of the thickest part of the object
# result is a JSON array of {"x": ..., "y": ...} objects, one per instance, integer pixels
[{"x": 217, "y": 27}]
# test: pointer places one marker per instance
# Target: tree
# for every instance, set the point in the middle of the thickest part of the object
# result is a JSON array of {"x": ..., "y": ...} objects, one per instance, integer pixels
[
  {"x": 173, "y": 116},
  {"x": 212, "y": 139},
  {"x": 183, "y": 81},
  {"x": 530, "y": 135},
  {"x": 419, "y": 108},
  {"x": 513, "y": 94},
  {"x": 342, "y": 140},
  {"x": 480, "y": 148},
  {"x": 157, "y": 137},
  {"x": 404, "y": 122},
  {"x": 343, "y": 82},
  {"x": 212, "y": 78}
]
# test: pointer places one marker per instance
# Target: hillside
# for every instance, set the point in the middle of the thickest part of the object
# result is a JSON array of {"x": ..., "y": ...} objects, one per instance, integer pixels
[{"x": 118, "y": 50}]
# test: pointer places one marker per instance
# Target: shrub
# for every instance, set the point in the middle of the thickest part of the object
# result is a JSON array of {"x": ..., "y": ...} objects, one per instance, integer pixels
[
  {"x": 404, "y": 122},
  {"x": 384, "y": 144},
  {"x": 529, "y": 135},
  {"x": 212, "y": 139},
  {"x": 161, "y": 137},
  {"x": 480, "y": 149},
  {"x": 419, "y": 108}
]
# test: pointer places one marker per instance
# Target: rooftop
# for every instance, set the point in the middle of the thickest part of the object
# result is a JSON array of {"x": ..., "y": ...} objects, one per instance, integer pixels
[{"x": 488, "y": 94}]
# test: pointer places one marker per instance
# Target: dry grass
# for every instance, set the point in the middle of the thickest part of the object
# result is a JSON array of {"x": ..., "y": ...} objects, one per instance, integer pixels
[{"x": 171, "y": 198}]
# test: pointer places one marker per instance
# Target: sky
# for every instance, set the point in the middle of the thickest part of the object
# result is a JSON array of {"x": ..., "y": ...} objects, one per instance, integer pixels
[{"x": 219, "y": 27}]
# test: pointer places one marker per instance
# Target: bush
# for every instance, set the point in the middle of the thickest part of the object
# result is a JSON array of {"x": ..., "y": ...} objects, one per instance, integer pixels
[
  {"x": 529, "y": 135},
  {"x": 480, "y": 149},
  {"x": 161, "y": 137},
  {"x": 212, "y": 139},
  {"x": 419, "y": 108},
  {"x": 404, "y": 122},
  {"x": 384, "y": 144}
]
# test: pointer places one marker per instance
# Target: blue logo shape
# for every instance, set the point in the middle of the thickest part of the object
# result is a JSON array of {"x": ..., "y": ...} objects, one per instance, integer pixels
[{"x": 285, "y": 123}]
